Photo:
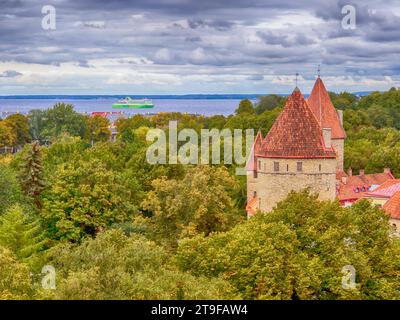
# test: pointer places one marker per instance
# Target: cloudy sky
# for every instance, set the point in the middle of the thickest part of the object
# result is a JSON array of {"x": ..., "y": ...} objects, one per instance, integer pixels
[{"x": 193, "y": 46}]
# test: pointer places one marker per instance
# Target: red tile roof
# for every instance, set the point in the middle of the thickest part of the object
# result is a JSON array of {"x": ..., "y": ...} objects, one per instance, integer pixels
[
  {"x": 392, "y": 206},
  {"x": 386, "y": 190},
  {"x": 251, "y": 207},
  {"x": 340, "y": 174},
  {"x": 348, "y": 191},
  {"x": 295, "y": 133},
  {"x": 323, "y": 109},
  {"x": 251, "y": 161},
  {"x": 386, "y": 184}
]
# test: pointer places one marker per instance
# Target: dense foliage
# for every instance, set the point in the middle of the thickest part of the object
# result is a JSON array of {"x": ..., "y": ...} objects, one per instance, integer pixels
[{"x": 116, "y": 227}]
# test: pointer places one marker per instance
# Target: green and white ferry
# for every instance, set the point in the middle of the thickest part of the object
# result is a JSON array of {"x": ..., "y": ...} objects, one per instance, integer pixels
[{"x": 133, "y": 103}]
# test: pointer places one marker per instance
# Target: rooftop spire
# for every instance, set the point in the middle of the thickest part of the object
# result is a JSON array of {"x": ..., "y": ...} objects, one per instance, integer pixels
[
  {"x": 323, "y": 109},
  {"x": 319, "y": 71},
  {"x": 295, "y": 133}
]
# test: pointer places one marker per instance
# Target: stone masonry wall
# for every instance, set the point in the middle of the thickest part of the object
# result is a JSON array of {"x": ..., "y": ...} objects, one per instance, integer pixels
[
  {"x": 271, "y": 187},
  {"x": 338, "y": 145}
]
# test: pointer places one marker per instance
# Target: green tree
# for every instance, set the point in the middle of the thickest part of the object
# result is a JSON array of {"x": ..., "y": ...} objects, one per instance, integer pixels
[
  {"x": 98, "y": 129},
  {"x": 84, "y": 198},
  {"x": 15, "y": 281},
  {"x": 217, "y": 122},
  {"x": 63, "y": 119},
  {"x": 21, "y": 234},
  {"x": 127, "y": 126},
  {"x": 31, "y": 172},
  {"x": 37, "y": 120},
  {"x": 10, "y": 190},
  {"x": 114, "y": 266},
  {"x": 20, "y": 127},
  {"x": 199, "y": 203},
  {"x": 269, "y": 102},
  {"x": 298, "y": 250},
  {"x": 245, "y": 106},
  {"x": 7, "y": 137},
  {"x": 343, "y": 100}
]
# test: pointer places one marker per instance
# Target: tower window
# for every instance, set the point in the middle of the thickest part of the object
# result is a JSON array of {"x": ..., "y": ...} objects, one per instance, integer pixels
[
  {"x": 299, "y": 166},
  {"x": 276, "y": 166},
  {"x": 259, "y": 165},
  {"x": 287, "y": 167},
  {"x": 320, "y": 168},
  {"x": 255, "y": 194}
]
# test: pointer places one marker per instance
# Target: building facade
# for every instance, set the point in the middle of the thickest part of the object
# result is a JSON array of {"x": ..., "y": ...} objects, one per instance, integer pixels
[{"x": 297, "y": 153}]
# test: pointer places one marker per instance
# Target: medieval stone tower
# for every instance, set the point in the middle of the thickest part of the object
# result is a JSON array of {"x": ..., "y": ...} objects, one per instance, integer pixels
[{"x": 303, "y": 149}]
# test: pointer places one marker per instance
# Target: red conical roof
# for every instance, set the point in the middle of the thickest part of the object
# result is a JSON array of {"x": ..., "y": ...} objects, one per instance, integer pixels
[
  {"x": 323, "y": 109},
  {"x": 295, "y": 133}
]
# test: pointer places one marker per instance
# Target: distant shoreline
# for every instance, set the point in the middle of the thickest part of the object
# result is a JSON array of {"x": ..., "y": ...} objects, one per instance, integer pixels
[{"x": 240, "y": 96}]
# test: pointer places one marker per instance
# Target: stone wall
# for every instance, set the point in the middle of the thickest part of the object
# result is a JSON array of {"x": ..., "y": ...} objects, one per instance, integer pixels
[
  {"x": 338, "y": 145},
  {"x": 271, "y": 186}
]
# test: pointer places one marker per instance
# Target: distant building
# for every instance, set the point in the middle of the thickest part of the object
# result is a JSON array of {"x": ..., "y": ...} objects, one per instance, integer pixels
[
  {"x": 305, "y": 149},
  {"x": 352, "y": 188},
  {"x": 295, "y": 154},
  {"x": 387, "y": 196}
]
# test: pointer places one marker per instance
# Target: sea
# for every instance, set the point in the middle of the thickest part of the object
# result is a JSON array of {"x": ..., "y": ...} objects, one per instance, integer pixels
[
  {"x": 199, "y": 104},
  {"x": 192, "y": 104}
]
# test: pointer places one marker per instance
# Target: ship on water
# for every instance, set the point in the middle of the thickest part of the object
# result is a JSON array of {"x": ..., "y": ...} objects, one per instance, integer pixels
[{"x": 133, "y": 103}]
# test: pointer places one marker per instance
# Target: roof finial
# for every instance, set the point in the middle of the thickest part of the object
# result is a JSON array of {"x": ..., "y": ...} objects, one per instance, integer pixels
[
  {"x": 319, "y": 71},
  {"x": 297, "y": 74}
]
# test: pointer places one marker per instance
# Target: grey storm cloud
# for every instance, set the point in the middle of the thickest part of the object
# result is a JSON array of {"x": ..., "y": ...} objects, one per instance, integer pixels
[
  {"x": 285, "y": 40},
  {"x": 220, "y": 25},
  {"x": 255, "y": 77},
  {"x": 253, "y": 37},
  {"x": 10, "y": 74}
]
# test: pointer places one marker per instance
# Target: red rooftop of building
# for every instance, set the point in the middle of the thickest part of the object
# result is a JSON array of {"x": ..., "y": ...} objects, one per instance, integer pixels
[
  {"x": 351, "y": 188},
  {"x": 392, "y": 206},
  {"x": 296, "y": 133},
  {"x": 323, "y": 109}
]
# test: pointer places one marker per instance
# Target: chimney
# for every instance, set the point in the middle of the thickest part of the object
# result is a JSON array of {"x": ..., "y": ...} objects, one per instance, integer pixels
[
  {"x": 387, "y": 171},
  {"x": 327, "y": 134},
  {"x": 362, "y": 172},
  {"x": 340, "y": 114},
  {"x": 350, "y": 172}
]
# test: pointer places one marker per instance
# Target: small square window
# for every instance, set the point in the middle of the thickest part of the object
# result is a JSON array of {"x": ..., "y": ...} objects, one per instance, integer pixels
[
  {"x": 276, "y": 166},
  {"x": 299, "y": 166}
]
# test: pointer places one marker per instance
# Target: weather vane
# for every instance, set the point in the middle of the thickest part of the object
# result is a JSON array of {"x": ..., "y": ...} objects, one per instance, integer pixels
[
  {"x": 297, "y": 74},
  {"x": 319, "y": 70}
]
